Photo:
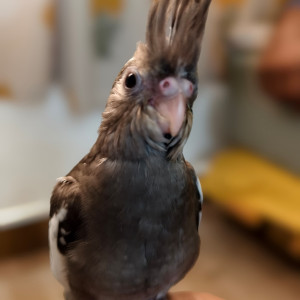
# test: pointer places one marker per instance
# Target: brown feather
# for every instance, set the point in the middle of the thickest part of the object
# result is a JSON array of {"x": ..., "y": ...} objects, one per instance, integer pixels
[{"x": 186, "y": 19}]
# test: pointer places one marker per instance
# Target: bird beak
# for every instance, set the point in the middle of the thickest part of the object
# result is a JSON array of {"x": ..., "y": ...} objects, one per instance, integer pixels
[{"x": 170, "y": 103}]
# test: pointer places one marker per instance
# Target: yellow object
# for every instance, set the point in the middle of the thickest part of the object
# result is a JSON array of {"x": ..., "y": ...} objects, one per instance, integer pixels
[
  {"x": 110, "y": 6},
  {"x": 49, "y": 15},
  {"x": 257, "y": 193},
  {"x": 5, "y": 92}
]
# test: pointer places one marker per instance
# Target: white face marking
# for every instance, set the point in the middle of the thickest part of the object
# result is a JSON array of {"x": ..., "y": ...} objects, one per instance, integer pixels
[{"x": 57, "y": 260}]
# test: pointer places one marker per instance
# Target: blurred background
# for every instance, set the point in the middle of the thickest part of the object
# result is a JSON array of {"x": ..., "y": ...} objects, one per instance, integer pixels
[{"x": 58, "y": 60}]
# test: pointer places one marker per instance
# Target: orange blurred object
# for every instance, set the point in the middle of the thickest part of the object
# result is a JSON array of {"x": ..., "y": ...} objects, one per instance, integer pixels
[
  {"x": 26, "y": 49},
  {"x": 111, "y": 6},
  {"x": 280, "y": 64}
]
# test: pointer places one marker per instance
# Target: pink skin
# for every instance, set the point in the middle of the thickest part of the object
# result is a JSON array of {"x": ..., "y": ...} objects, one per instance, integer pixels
[
  {"x": 171, "y": 103},
  {"x": 171, "y": 86}
]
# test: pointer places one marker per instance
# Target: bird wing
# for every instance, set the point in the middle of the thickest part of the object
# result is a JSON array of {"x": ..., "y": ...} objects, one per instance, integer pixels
[
  {"x": 198, "y": 190},
  {"x": 65, "y": 226},
  {"x": 200, "y": 199}
]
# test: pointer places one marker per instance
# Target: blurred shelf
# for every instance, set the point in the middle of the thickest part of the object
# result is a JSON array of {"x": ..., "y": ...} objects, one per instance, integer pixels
[
  {"x": 258, "y": 194},
  {"x": 23, "y": 214}
]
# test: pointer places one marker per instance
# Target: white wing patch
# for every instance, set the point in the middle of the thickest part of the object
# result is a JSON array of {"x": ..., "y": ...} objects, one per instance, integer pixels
[
  {"x": 57, "y": 260},
  {"x": 201, "y": 197}
]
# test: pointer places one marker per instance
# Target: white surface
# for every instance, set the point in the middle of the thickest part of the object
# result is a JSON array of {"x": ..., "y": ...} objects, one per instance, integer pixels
[{"x": 38, "y": 144}]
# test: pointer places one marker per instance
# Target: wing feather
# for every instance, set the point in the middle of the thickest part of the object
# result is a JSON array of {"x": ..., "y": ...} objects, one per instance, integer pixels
[
  {"x": 65, "y": 225},
  {"x": 198, "y": 190}
]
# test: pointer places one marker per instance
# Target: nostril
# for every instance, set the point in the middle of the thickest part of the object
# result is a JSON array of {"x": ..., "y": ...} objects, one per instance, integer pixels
[
  {"x": 169, "y": 86},
  {"x": 165, "y": 84}
]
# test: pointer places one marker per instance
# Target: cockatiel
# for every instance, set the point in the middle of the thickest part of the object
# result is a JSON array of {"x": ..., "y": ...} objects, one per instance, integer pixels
[{"x": 124, "y": 221}]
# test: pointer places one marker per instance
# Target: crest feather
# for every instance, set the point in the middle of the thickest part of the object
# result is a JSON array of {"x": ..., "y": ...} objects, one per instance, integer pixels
[{"x": 175, "y": 30}]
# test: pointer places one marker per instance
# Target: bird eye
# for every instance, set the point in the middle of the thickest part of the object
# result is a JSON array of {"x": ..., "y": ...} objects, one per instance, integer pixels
[{"x": 130, "y": 81}]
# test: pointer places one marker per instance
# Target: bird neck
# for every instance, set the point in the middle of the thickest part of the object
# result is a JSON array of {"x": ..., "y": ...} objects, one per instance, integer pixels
[
  {"x": 123, "y": 135},
  {"x": 122, "y": 142}
]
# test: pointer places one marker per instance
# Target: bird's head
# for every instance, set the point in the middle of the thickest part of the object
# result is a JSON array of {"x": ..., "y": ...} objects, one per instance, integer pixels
[{"x": 149, "y": 109}]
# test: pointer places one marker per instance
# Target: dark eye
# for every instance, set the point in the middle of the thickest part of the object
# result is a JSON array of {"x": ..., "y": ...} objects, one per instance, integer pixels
[{"x": 130, "y": 81}]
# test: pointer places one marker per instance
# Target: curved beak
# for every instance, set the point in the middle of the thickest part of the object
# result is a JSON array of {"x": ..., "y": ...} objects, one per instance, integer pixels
[{"x": 170, "y": 103}]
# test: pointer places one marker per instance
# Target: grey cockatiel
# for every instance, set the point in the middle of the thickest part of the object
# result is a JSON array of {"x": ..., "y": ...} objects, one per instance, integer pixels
[{"x": 124, "y": 221}]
